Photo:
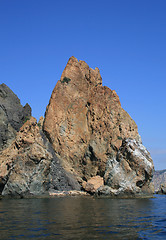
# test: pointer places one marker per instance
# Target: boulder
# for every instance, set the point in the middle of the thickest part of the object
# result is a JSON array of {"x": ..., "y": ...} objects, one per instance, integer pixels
[{"x": 93, "y": 184}]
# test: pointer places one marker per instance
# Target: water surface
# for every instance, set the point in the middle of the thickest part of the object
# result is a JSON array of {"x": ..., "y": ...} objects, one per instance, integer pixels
[{"x": 83, "y": 218}]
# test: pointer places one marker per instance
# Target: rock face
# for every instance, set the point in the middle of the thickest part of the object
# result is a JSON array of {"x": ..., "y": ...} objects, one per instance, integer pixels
[
  {"x": 12, "y": 115},
  {"x": 159, "y": 180},
  {"x": 86, "y": 141},
  {"x": 93, "y": 135},
  {"x": 130, "y": 172},
  {"x": 30, "y": 167}
]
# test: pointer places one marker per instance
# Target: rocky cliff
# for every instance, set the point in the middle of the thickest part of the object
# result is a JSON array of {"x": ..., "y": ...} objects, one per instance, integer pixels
[
  {"x": 29, "y": 165},
  {"x": 93, "y": 136},
  {"x": 12, "y": 115},
  {"x": 86, "y": 141}
]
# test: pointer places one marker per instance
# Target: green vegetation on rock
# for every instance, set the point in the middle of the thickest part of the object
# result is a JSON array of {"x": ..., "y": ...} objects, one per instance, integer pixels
[{"x": 65, "y": 80}]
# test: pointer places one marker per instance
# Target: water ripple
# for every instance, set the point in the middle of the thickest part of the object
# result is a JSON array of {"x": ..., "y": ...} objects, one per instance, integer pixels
[{"x": 83, "y": 218}]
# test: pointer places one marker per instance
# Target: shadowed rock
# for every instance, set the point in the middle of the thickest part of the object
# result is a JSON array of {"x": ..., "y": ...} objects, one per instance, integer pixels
[{"x": 12, "y": 115}]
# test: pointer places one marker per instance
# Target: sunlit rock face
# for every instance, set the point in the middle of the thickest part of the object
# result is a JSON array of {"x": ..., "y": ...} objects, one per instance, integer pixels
[
  {"x": 12, "y": 115},
  {"x": 93, "y": 135}
]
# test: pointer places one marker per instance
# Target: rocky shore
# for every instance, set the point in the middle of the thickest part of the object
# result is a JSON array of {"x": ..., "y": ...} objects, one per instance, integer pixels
[{"x": 86, "y": 143}]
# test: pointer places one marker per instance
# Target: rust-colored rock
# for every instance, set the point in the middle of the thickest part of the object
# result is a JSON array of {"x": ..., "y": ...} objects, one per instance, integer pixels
[
  {"x": 40, "y": 123},
  {"x": 93, "y": 184},
  {"x": 87, "y": 127}
]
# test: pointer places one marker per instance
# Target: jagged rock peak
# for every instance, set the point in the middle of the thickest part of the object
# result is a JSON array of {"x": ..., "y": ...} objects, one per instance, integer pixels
[
  {"x": 5, "y": 92},
  {"x": 93, "y": 135},
  {"x": 80, "y": 71}
]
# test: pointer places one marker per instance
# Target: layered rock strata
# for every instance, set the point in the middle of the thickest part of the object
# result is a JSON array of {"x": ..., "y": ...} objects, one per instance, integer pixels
[
  {"x": 12, "y": 115},
  {"x": 93, "y": 136}
]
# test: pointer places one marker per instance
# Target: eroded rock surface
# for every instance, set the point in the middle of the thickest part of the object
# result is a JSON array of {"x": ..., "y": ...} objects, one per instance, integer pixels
[
  {"x": 12, "y": 115},
  {"x": 30, "y": 167},
  {"x": 93, "y": 135},
  {"x": 131, "y": 171},
  {"x": 159, "y": 180}
]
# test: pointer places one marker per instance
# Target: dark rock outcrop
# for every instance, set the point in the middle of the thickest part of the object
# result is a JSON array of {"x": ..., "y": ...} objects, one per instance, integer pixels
[
  {"x": 12, "y": 115},
  {"x": 163, "y": 188},
  {"x": 93, "y": 135},
  {"x": 29, "y": 165}
]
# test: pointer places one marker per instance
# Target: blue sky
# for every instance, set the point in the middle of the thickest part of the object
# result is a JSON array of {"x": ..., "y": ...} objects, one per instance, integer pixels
[{"x": 126, "y": 39}]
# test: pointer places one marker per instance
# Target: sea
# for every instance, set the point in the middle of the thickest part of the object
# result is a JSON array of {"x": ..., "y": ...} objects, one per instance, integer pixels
[{"x": 83, "y": 217}]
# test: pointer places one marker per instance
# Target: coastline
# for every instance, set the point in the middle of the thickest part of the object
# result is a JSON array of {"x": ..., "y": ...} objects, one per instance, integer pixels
[{"x": 75, "y": 193}]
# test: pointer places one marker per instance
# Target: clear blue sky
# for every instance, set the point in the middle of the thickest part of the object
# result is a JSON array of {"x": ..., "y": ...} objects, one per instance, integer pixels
[{"x": 126, "y": 39}]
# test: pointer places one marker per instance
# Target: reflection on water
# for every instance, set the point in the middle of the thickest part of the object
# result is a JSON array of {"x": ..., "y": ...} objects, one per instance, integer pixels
[{"x": 83, "y": 218}]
